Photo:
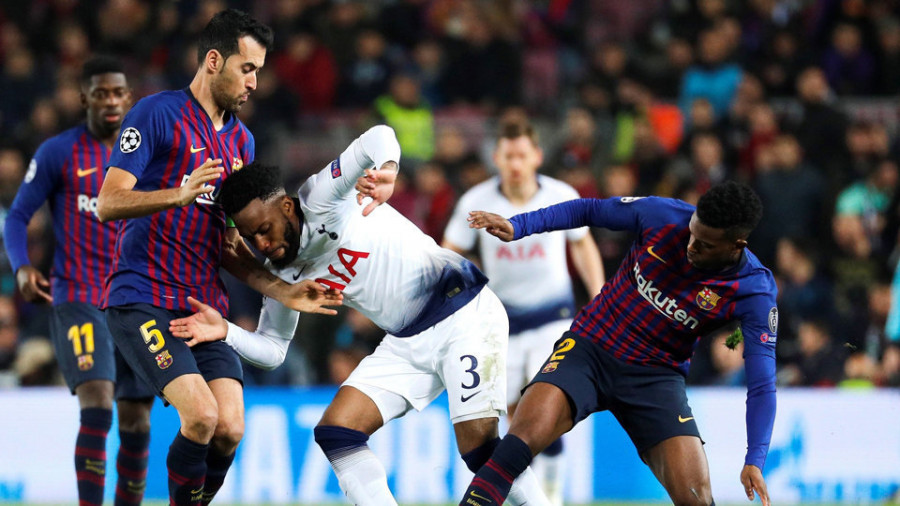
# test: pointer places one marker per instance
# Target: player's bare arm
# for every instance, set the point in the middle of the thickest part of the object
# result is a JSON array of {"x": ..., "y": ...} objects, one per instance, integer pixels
[
  {"x": 494, "y": 224},
  {"x": 377, "y": 184},
  {"x": 752, "y": 479},
  {"x": 32, "y": 284},
  {"x": 119, "y": 200},
  {"x": 589, "y": 264}
]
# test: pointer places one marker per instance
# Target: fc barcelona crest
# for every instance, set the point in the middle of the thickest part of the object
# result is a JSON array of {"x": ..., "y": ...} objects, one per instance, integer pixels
[
  {"x": 164, "y": 359},
  {"x": 85, "y": 362},
  {"x": 550, "y": 367},
  {"x": 707, "y": 299},
  {"x": 236, "y": 164}
]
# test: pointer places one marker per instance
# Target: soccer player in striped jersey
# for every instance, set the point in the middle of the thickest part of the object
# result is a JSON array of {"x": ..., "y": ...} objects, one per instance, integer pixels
[
  {"x": 531, "y": 277},
  {"x": 68, "y": 170},
  {"x": 174, "y": 150},
  {"x": 445, "y": 328},
  {"x": 688, "y": 273}
]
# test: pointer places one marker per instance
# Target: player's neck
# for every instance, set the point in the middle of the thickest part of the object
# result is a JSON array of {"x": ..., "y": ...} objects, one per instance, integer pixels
[
  {"x": 109, "y": 140},
  {"x": 519, "y": 194},
  {"x": 201, "y": 90}
]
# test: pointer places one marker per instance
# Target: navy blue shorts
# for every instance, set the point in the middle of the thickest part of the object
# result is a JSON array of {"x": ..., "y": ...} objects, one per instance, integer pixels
[
  {"x": 649, "y": 402},
  {"x": 85, "y": 351},
  {"x": 141, "y": 333}
]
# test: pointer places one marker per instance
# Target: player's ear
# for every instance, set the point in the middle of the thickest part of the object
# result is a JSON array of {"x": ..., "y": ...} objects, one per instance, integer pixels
[
  {"x": 740, "y": 243},
  {"x": 214, "y": 61},
  {"x": 287, "y": 205}
]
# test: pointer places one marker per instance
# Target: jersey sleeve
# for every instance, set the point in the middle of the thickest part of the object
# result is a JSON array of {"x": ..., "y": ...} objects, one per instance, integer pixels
[
  {"x": 41, "y": 180},
  {"x": 458, "y": 231},
  {"x": 759, "y": 324},
  {"x": 337, "y": 181},
  {"x": 267, "y": 347},
  {"x": 617, "y": 213},
  {"x": 143, "y": 131},
  {"x": 569, "y": 193}
]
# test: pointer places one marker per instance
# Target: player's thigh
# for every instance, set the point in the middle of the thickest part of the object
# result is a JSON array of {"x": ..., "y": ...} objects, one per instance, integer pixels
[
  {"x": 84, "y": 351},
  {"x": 229, "y": 394},
  {"x": 390, "y": 381},
  {"x": 194, "y": 401},
  {"x": 472, "y": 363},
  {"x": 543, "y": 415},
  {"x": 680, "y": 465},
  {"x": 353, "y": 409},
  {"x": 141, "y": 334}
]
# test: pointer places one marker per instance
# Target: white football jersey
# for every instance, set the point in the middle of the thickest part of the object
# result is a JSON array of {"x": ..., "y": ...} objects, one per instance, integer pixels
[
  {"x": 386, "y": 267},
  {"x": 530, "y": 274}
]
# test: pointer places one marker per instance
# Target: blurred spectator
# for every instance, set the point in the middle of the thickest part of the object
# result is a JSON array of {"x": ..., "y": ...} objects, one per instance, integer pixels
[
  {"x": 410, "y": 116},
  {"x": 821, "y": 125},
  {"x": 762, "y": 131},
  {"x": 667, "y": 77},
  {"x": 820, "y": 361},
  {"x": 869, "y": 199},
  {"x": 9, "y": 332},
  {"x": 579, "y": 144},
  {"x": 712, "y": 78},
  {"x": 428, "y": 67},
  {"x": 403, "y": 22},
  {"x": 860, "y": 371},
  {"x": 355, "y": 338},
  {"x": 849, "y": 66},
  {"x": 368, "y": 73},
  {"x": 793, "y": 197},
  {"x": 22, "y": 83},
  {"x": 804, "y": 290},
  {"x": 435, "y": 199},
  {"x": 888, "y": 73},
  {"x": 35, "y": 364},
  {"x": 782, "y": 61},
  {"x": 453, "y": 155},
  {"x": 854, "y": 269},
  {"x": 343, "y": 31},
  {"x": 307, "y": 68}
]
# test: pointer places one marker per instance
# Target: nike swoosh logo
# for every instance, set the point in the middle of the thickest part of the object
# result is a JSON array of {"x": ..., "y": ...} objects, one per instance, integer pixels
[
  {"x": 476, "y": 495},
  {"x": 463, "y": 398},
  {"x": 82, "y": 173},
  {"x": 297, "y": 276},
  {"x": 682, "y": 419},
  {"x": 196, "y": 150},
  {"x": 195, "y": 492},
  {"x": 654, "y": 255}
]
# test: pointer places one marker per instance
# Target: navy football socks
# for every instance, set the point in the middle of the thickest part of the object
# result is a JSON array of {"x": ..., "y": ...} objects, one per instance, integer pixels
[
  {"x": 492, "y": 482},
  {"x": 131, "y": 465},
  {"x": 187, "y": 471},
  {"x": 90, "y": 455},
  {"x": 216, "y": 468}
]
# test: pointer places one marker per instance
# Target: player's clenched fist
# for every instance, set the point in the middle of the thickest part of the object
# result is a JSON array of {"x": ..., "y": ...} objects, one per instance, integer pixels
[
  {"x": 197, "y": 182},
  {"x": 494, "y": 224}
]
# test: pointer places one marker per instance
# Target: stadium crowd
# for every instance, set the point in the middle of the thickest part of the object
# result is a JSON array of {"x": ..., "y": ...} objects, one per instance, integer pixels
[{"x": 795, "y": 97}]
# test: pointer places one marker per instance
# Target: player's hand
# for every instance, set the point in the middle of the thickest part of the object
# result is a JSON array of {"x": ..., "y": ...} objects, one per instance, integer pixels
[
  {"x": 197, "y": 182},
  {"x": 33, "y": 285},
  {"x": 494, "y": 224},
  {"x": 378, "y": 184},
  {"x": 205, "y": 325},
  {"x": 752, "y": 479},
  {"x": 308, "y": 296}
]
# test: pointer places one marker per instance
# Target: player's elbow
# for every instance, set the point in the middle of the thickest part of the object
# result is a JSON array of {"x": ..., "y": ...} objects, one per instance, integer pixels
[{"x": 104, "y": 210}]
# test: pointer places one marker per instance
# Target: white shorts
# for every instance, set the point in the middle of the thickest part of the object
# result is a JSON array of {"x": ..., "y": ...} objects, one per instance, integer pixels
[
  {"x": 465, "y": 354},
  {"x": 528, "y": 351}
]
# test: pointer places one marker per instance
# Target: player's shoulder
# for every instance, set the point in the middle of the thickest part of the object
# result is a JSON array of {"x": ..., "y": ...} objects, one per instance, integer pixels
[
  {"x": 243, "y": 129},
  {"x": 488, "y": 189},
  {"x": 61, "y": 143},
  {"x": 162, "y": 102},
  {"x": 662, "y": 210},
  {"x": 757, "y": 278}
]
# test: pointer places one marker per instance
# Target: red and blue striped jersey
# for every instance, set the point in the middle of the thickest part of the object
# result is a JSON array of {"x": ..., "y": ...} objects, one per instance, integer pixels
[
  {"x": 657, "y": 306},
  {"x": 67, "y": 170},
  {"x": 162, "y": 258}
]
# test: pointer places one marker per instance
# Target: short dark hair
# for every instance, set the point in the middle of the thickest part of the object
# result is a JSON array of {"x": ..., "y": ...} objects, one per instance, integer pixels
[
  {"x": 225, "y": 29},
  {"x": 100, "y": 64},
  {"x": 731, "y": 206},
  {"x": 514, "y": 129},
  {"x": 255, "y": 181}
]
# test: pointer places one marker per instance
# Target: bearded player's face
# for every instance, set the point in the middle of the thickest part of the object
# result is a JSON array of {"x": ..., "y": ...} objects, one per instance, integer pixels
[{"x": 236, "y": 79}]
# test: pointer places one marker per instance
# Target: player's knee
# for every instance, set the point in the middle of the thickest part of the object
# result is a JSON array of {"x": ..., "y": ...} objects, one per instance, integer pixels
[
  {"x": 95, "y": 394},
  {"x": 200, "y": 423},
  {"x": 134, "y": 416},
  {"x": 228, "y": 435},
  {"x": 692, "y": 495}
]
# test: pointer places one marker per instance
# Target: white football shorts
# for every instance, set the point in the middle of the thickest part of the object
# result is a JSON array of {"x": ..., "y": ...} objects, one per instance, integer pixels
[
  {"x": 465, "y": 354},
  {"x": 528, "y": 351}
]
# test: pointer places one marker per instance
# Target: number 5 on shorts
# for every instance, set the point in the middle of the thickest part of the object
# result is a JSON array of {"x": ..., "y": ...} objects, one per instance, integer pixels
[
  {"x": 561, "y": 350},
  {"x": 151, "y": 334}
]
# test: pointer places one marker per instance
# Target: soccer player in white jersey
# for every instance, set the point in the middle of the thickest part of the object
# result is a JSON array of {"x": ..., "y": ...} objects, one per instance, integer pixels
[
  {"x": 445, "y": 328},
  {"x": 530, "y": 277}
]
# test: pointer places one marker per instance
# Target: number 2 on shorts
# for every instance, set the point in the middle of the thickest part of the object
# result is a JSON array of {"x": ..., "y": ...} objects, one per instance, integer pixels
[
  {"x": 561, "y": 350},
  {"x": 151, "y": 334}
]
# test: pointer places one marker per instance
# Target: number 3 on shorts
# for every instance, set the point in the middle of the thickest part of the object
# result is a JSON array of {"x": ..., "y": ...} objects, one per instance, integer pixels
[
  {"x": 151, "y": 334},
  {"x": 561, "y": 350}
]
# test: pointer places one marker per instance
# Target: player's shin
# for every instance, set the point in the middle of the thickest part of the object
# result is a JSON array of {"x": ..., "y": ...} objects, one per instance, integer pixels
[
  {"x": 360, "y": 474},
  {"x": 186, "y": 463},
  {"x": 525, "y": 488},
  {"x": 492, "y": 483},
  {"x": 217, "y": 465},
  {"x": 131, "y": 464},
  {"x": 90, "y": 454}
]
